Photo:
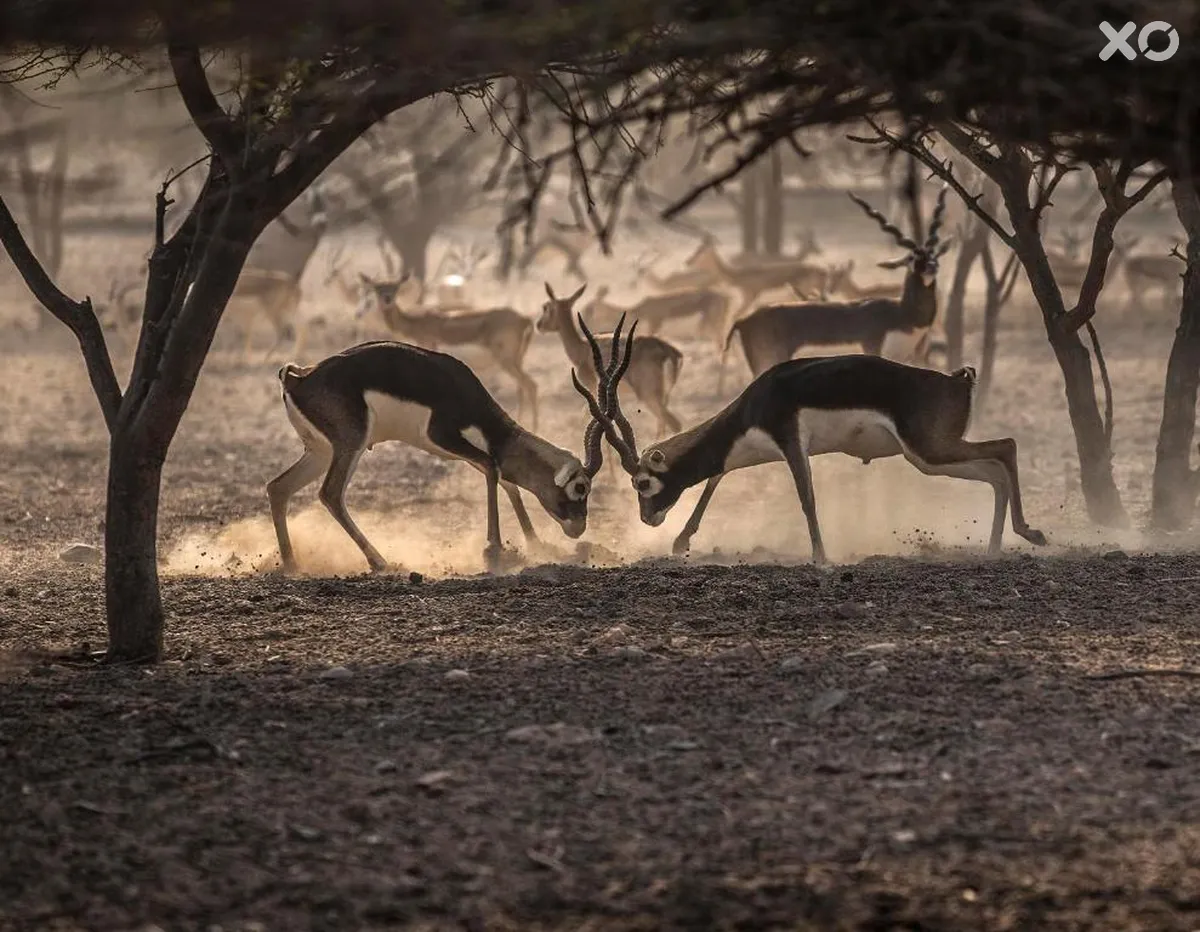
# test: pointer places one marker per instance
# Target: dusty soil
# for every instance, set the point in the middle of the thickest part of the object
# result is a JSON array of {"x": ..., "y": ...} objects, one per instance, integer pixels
[{"x": 915, "y": 738}]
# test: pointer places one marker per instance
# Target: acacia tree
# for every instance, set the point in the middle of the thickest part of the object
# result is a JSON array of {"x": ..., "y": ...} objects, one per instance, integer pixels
[
  {"x": 1026, "y": 182},
  {"x": 299, "y": 98},
  {"x": 1175, "y": 484}
]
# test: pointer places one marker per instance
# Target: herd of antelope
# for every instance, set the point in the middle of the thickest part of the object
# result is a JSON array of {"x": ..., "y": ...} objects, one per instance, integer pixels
[{"x": 861, "y": 405}]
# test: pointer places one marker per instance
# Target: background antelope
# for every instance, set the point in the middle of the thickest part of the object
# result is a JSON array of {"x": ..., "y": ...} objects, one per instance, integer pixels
[
  {"x": 269, "y": 286},
  {"x": 863, "y": 406},
  {"x": 382, "y": 391},
  {"x": 1150, "y": 272},
  {"x": 654, "y": 364},
  {"x": 504, "y": 333},
  {"x": 750, "y": 280},
  {"x": 453, "y": 283},
  {"x": 709, "y": 306},
  {"x": 773, "y": 333}
]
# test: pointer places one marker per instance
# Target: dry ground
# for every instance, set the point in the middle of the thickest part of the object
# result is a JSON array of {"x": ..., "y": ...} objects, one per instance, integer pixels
[{"x": 913, "y": 739}]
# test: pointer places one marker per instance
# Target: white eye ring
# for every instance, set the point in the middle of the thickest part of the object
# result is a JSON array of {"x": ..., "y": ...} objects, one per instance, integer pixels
[{"x": 657, "y": 461}]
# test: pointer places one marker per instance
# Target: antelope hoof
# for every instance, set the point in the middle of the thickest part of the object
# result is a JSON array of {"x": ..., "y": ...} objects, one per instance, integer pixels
[
  {"x": 1034, "y": 536},
  {"x": 382, "y": 566},
  {"x": 285, "y": 568},
  {"x": 682, "y": 545}
]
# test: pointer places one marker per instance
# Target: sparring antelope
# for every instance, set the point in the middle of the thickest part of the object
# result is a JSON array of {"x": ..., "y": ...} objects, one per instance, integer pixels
[
  {"x": 653, "y": 311},
  {"x": 774, "y": 332},
  {"x": 653, "y": 366},
  {"x": 503, "y": 332},
  {"x": 867, "y": 407},
  {"x": 381, "y": 391}
]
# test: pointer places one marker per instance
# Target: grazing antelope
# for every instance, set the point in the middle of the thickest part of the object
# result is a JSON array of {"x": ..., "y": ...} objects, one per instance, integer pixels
[
  {"x": 653, "y": 366},
  {"x": 863, "y": 406},
  {"x": 503, "y": 332},
  {"x": 381, "y": 391},
  {"x": 750, "y": 280},
  {"x": 685, "y": 278},
  {"x": 273, "y": 292},
  {"x": 807, "y": 246},
  {"x": 774, "y": 332},
  {"x": 653, "y": 311},
  {"x": 1149, "y": 272},
  {"x": 570, "y": 240}
]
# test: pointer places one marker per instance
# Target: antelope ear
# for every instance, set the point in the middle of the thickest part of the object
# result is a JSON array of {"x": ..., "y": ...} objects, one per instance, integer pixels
[
  {"x": 564, "y": 474},
  {"x": 893, "y": 263},
  {"x": 575, "y": 296},
  {"x": 550, "y": 292}
]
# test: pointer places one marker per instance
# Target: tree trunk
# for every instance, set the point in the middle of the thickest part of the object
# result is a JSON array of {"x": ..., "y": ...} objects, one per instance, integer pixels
[
  {"x": 749, "y": 213},
  {"x": 411, "y": 240},
  {"x": 166, "y": 367},
  {"x": 132, "y": 596},
  {"x": 1174, "y": 487},
  {"x": 1100, "y": 493},
  {"x": 956, "y": 301},
  {"x": 987, "y": 353},
  {"x": 771, "y": 191}
]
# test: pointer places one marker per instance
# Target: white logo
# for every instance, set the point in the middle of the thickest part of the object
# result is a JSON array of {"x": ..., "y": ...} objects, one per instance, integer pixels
[{"x": 1118, "y": 40}]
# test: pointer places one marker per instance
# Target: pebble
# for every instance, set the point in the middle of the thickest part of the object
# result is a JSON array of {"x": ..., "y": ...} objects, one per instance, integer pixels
[
  {"x": 336, "y": 673},
  {"x": 84, "y": 554},
  {"x": 455, "y": 676}
]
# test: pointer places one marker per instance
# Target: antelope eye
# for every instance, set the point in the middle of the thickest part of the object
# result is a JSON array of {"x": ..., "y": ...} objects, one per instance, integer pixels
[
  {"x": 642, "y": 485},
  {"x": 580, "y": 489}
]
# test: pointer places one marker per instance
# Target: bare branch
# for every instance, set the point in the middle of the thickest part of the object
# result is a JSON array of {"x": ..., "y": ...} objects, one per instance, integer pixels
[
  {"x": 217, "y": 127},
  {"x": 78, "y": 316}
]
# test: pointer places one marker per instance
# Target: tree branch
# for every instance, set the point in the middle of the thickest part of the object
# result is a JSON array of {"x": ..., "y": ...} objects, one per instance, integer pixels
[
  {"x": 217, "y": 127},
  {"x": 78, "y": 316},
  {"x": 988, "y": 166}
]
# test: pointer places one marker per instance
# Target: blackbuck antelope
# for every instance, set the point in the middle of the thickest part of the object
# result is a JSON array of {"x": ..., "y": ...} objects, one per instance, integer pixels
[
  {"x": 503, "y": 332},
  {"x": 774, "y": 332},
  {"x": 381, "y": 391},
  {"x": 711, "y": 307},
  {"x": 863, "y": 406},
  {"x": 653, "y": 366}
]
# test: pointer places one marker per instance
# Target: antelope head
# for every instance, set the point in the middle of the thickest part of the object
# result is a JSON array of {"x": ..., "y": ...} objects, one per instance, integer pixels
[
  {"x": 548, "y": 322},
  {"x": 657, "y": 474},
  {"x": 921, "y": 261}
]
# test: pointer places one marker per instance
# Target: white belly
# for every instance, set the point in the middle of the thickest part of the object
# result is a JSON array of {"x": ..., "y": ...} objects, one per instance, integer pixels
[
  {"x": 861, "y": 433},
  {"x": 753, "y": 448},
  {"x": 401, "y": 421},
  {"x": 408, "y": 422}
]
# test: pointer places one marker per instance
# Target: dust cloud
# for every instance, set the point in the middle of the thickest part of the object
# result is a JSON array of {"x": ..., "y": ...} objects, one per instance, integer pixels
[{"x": 885, "y": 508}]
